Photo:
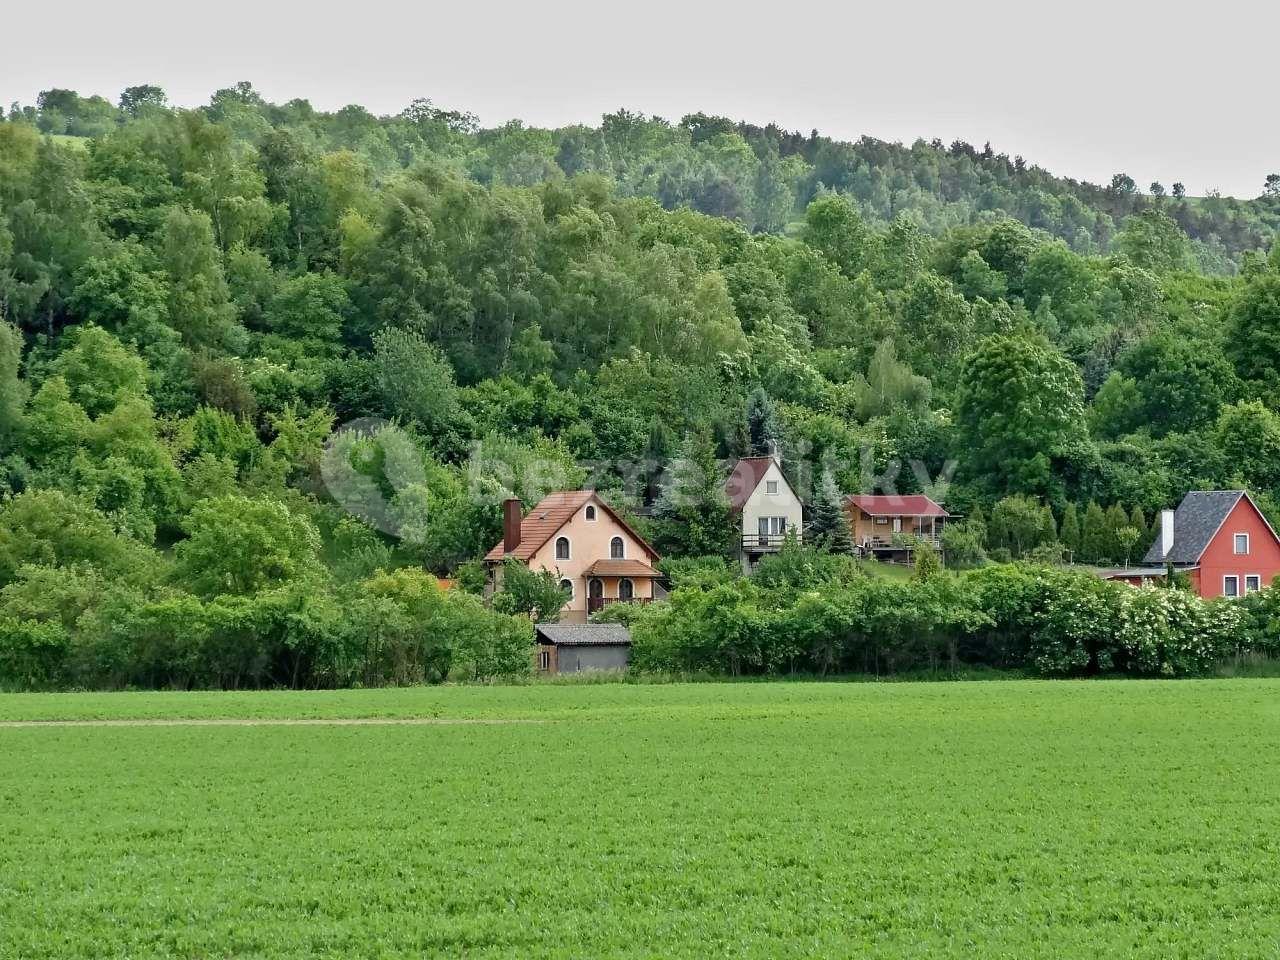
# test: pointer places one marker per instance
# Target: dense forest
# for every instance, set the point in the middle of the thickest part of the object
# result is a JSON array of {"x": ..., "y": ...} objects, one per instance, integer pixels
[{"x": 193, "y": 301}]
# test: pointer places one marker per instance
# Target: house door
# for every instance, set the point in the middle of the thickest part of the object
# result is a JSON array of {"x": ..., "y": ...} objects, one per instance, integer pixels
[
  {"x": 595, "y": 594},
  {"x": 762, "y": 528},
  {"x": 626, "y": 589}
]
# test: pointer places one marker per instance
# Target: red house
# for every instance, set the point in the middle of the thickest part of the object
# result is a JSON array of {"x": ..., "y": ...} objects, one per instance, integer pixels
[{"x": 1221, "y": 540}]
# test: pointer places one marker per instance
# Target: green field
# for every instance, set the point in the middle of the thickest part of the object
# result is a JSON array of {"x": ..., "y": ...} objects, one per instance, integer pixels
[{"x": 1008, "y": 819}]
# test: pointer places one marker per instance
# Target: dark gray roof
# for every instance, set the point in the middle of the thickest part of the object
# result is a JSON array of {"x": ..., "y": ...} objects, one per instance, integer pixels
[
  {"x": 1198, "y": 517},
  {"x": 584, "y": 634}
]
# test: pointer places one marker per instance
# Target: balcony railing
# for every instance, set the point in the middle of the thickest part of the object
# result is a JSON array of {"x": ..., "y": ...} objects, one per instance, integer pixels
[
  {"x": 904, "y": 542},
  {"x": 595, "y": 604},
  {"x": 763, "y": 542}
]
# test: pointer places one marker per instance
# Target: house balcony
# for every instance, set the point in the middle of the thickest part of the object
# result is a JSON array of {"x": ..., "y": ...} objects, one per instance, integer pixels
[
  {"x": 903, "y": 542},
  {"x": 763, "y": 542}
]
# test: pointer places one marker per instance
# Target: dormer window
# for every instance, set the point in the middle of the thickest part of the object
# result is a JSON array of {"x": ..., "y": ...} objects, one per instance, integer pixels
[
  {"x": 617, "y": 549},
  {"x": 562, "y": 548},
  {"x": 591, "y": 512},
  {"x": 771, "y": 486},
  {"x": 1242, "y": 544}
]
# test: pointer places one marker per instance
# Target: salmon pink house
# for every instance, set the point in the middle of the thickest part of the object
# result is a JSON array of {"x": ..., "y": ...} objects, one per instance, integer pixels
[
  {"x": 1221, "y": 540},
  {"x": 591, "y": 550}
]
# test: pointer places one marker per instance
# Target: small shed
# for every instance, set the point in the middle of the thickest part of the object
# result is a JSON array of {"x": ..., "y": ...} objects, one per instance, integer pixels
[{"x": 577, "y": 647}]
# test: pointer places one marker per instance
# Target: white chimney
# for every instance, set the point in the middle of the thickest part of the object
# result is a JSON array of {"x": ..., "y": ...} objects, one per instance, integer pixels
[
  {"x": 774, "y": 451},
  {"x": 1166, "y": 533}
]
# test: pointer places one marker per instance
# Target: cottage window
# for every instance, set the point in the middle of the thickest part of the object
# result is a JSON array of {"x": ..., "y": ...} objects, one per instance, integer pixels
[
  {"x": 1231, "y": 586},
  {"x": 771, "y": 486},
  {"x": 882, "y": 520},
  {"x": 1242, "y": 544},
  {"x": 544, "y": 659},
  {"x": 591, "y": 513},
  {"x": 567, "y": 585},
  {"x": 617, "y": 550},
  {"x": 562, "y": 548},
  {"x": 1252, "y": 583}
]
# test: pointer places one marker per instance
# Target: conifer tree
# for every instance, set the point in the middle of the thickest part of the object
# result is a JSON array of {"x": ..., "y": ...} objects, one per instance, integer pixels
[
  {"x": 1117, "y": 520},
  {"x": 828, "y": 525},
  {"x": 1069, "y": 531},
  {"x": 1138, "y": 520},
  {"x": 762, "y": 423},
  {"x": 1094, "y": 547}
]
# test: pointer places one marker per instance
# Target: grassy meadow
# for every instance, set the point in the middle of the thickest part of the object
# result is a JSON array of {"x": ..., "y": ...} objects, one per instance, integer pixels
[{"x": 995, "y": 819}]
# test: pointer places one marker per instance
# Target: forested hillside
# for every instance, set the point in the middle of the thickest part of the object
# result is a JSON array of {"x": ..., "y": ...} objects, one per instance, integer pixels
[{"x": 194, "y": 299}]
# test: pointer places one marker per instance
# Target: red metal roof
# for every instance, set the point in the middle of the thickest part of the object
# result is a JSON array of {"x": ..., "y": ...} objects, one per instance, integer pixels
[
  {"x": 553, "y": 512},
  {"x": 893, "y": 505}
]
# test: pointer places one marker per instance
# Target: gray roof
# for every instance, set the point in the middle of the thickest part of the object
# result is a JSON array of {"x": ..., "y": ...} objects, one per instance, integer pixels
[
  {"x": 1113, "y": 573},
  {"x": 584, "y": 634},
  {"x": 1197, "y": 519}
]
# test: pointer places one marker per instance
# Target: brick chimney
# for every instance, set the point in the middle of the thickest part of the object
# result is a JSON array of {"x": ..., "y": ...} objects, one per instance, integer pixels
[{"x": 511, "y": 511}]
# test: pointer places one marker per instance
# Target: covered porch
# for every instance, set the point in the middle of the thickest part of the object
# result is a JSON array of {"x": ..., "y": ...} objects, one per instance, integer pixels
[{"x": 618, "y": 581}]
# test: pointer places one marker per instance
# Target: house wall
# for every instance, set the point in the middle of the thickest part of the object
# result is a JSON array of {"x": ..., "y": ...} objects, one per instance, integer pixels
[
  {"x": 761, "y": 503},
  {"x": 575, "y": 658},
  {"x": 1219, "y": 558},
  {"x": 589, "y": 542}
]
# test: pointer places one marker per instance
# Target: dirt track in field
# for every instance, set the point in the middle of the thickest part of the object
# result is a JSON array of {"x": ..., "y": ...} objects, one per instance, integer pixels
[{"x": 262, "y": 722}]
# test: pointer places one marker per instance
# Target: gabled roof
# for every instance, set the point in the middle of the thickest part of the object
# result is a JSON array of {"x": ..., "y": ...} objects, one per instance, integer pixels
[
  {"x": 893, "y": 505},
  {"x": 584, "y": 634},
  {"x": 1196, "y": 522},
  {"x": 746, "y": 476},
  {"x": 552, "y": 512}
]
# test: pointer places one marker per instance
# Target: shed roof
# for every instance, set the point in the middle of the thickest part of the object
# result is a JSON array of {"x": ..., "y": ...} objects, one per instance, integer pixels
[
  {"x": 584, "y": 634},
  {"x": 621, "y": 568},
  {"x": 1197, "y": 520},
  {"x": 893, "y": 505}
]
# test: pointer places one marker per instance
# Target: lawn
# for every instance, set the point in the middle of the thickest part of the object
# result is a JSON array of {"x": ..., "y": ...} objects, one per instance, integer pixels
[{"x": 1007, "y": 819}]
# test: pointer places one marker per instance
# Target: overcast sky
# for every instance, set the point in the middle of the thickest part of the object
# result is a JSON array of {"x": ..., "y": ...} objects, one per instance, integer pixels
[{"x": 1163, "y": 91}]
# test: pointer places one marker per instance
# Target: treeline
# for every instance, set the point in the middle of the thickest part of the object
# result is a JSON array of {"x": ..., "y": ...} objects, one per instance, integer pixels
[
  {"x": 760, "y": 176},
  {"x": 809, "y": 612},
  {"x": 1024, "y": 528}
]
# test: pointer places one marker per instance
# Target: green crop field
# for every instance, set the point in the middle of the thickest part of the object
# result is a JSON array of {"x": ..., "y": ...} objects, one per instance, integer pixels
[{"x": 1000, "y": 819}]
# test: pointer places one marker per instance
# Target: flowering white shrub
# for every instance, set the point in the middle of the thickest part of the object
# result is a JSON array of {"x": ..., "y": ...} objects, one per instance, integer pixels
[{"x": 1173, "y": 632}]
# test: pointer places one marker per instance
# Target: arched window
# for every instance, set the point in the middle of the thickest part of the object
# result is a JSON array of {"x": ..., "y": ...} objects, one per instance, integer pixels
[
  {"x": 562, "y": 548},
  {"x": 617, "y": 550},
  {"x": 626, "y": 589},
  {"x": 567, "y": 585},
  {"x": 591, "y": 512}
]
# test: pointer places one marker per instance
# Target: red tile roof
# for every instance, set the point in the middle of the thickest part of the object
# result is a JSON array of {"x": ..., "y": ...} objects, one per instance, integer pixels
[
  {"x": 552, "y": 512},
  {"x": 744, "y": 478},
  {"x": 892, "y": 505}
]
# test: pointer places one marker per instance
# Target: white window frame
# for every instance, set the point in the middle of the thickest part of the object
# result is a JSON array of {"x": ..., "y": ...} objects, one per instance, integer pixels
[
  {"x": 568, "y": 545},
  {"x": 1235, "y": 578},
  {"x": 544, "y": 659},
  {"x": 1235, "y": 544},
  {"x": 1257, "y": 582},
  {"x": 622, "y": 553},
  {"x": 589, "y": 514},
  {"x": 771, "y": 487},
  {"x": 566, "y": 582}
]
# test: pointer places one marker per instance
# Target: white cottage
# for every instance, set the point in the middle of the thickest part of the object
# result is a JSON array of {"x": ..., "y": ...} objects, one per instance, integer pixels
[{"x": 766, "y": 504}]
